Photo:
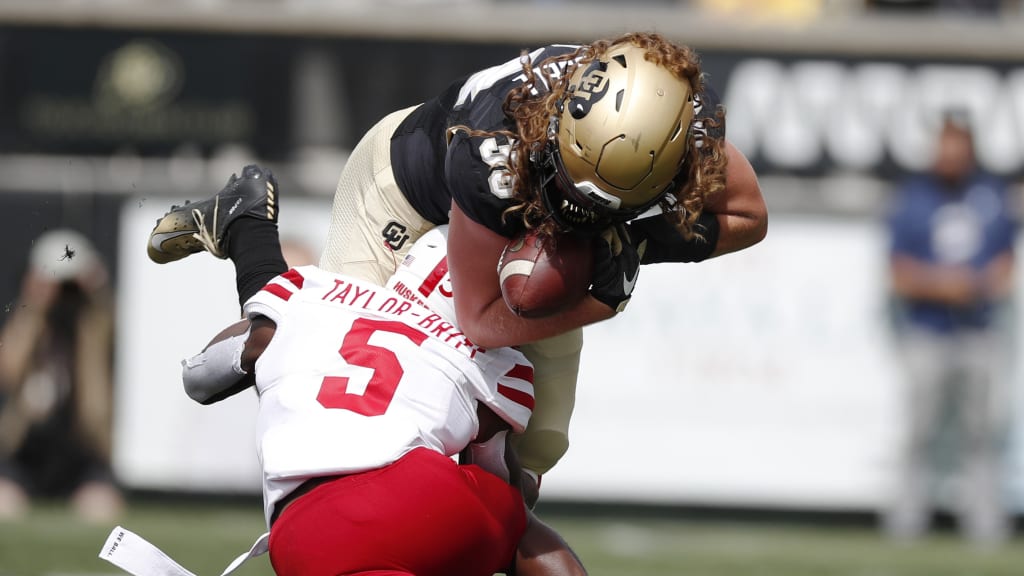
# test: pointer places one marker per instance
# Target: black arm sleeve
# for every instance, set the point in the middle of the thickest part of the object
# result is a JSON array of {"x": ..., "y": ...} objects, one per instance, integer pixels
[{"x": 666, "y": 244}]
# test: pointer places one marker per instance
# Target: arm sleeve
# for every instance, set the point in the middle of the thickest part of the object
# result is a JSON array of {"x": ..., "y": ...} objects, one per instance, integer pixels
[
  {"x": 666, "y": 244},
  {"x": 215, "y": 373}
]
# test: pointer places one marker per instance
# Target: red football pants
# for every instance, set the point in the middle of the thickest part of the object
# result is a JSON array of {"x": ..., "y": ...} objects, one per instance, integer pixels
[{"x": 423, "y": 515}]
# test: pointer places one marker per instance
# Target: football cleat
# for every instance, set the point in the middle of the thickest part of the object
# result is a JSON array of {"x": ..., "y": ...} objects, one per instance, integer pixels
[{"x": 198, "y": 226}]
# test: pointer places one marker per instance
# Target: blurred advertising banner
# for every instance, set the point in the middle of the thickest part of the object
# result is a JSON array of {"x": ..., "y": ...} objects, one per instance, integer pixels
[
  {"x": 101, "y": 91},
  {"x": 810, "y": 115}
]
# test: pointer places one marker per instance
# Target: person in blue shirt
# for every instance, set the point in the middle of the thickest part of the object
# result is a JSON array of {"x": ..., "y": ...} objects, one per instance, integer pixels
[{"x": 952, "y": 235}]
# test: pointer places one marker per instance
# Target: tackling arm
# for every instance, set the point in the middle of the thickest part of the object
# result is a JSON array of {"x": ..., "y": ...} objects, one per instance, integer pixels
[{"x": 541, "y": 551}]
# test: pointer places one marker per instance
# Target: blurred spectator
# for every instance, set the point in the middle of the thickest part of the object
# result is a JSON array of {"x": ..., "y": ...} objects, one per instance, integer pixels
[
  {"x": 56, "y": 383},
  {"x": 952, "y": 266}
]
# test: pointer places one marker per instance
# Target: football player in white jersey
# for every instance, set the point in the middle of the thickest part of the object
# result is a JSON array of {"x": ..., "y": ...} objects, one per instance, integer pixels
[
  {"x": 366, "y": 392},
  {"x": 583, "y": 138},
  {"x": 364, "y": 397}
]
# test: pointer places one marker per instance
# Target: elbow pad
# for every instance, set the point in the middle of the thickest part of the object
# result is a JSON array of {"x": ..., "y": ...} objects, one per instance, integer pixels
[{"x": 215, "y": 369}]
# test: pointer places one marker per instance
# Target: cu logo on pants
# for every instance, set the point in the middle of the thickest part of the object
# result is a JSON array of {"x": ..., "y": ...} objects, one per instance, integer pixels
[{"x": 394, "y": 235}]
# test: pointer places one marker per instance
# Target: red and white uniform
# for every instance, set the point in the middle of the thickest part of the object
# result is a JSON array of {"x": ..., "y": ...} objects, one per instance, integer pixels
[
  {"x": 356, "y": 379},
  {"x": 370, "y": 391}
]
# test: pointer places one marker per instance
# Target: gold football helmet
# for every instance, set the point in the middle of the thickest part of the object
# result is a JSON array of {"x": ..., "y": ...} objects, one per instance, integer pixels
[{"x": 619, "y": 140}]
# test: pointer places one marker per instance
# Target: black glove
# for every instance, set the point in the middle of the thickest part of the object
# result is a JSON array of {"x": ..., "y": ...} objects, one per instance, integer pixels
[{"x": 616, "y": 267}]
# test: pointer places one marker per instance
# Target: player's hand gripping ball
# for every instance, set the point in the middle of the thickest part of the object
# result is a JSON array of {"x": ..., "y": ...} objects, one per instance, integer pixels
[{"x": 543, "y": 275}]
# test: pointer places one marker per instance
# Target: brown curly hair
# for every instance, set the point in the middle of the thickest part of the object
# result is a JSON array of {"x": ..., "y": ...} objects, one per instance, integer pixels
[{"x": 531, "y": 105}]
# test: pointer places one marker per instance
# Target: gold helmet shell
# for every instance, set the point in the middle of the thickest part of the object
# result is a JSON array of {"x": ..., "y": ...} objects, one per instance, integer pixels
[{"x": 623, "y": 132}]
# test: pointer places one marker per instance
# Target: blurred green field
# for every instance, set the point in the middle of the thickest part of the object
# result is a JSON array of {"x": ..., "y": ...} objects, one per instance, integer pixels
[{"x": 205, "y": 537}]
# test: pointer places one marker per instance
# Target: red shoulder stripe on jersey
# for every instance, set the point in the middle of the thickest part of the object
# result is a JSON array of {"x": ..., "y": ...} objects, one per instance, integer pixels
[
  {"x": 434, "y": 277},
  {"x": 517, "y": 396},
  {"x": 521, "y": 371},
  {"x": 294, "y": 277},
  {"x": 279, "y": 291}
]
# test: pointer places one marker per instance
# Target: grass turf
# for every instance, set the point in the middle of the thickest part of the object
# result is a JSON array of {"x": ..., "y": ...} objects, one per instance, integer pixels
[{"x": 205, "y": 536}]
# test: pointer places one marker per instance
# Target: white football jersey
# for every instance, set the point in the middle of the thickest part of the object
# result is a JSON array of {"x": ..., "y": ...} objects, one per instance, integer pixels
[{"x": 356, "y": 376}]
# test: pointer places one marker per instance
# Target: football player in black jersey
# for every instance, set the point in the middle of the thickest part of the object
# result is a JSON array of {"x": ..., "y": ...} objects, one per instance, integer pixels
[{"x": 619, "y": 137}]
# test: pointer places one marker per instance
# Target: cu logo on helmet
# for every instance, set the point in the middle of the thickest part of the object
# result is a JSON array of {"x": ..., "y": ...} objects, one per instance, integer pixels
[{"x": 592, "y": 87}]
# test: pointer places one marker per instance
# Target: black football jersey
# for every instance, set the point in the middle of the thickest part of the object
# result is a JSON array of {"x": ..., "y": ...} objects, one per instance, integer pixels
[{"x": 434, "y": 167}]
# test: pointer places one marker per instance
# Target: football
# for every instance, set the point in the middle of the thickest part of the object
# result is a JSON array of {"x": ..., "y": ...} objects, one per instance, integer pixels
[{"x": 543, "y": 275}]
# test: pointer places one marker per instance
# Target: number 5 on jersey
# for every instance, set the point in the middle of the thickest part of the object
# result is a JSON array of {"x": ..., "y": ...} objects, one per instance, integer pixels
[{"x": 387, "y": 370}]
